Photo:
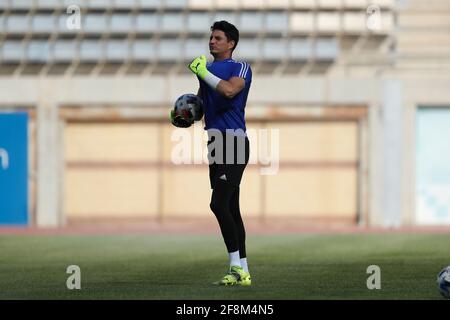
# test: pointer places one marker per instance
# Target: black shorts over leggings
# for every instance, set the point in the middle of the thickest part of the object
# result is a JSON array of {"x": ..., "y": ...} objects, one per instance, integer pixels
[{"x": 231, "y": 170}]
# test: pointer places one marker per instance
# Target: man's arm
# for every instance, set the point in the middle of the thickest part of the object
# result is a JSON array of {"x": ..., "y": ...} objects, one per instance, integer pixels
[{"x": 229, "y": 89}]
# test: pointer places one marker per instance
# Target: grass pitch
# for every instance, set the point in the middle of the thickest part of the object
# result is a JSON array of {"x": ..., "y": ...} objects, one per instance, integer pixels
[{"x": 304, "y": 266}]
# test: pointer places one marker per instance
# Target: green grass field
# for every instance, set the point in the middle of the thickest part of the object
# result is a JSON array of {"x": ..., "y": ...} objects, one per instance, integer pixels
[{"x": 307, "y": 266}]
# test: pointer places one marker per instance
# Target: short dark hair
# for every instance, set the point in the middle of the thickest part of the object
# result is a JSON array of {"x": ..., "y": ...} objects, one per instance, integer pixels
[{"x": 229, "y": 29}]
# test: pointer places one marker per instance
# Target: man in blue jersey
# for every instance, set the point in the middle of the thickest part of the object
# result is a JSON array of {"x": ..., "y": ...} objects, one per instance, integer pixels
[{"x": 224, "y": 87}]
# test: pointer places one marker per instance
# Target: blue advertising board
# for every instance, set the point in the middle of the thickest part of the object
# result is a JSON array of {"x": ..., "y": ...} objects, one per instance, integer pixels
[
  {"x": 13, "y": 168},
  {"x": 433, "y": 166}
]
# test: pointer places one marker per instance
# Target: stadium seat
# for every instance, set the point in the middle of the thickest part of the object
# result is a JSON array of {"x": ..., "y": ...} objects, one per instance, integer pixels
[
  {"x": 122, "y": 23},
  {"x": 227, "y": 4},
  {"x": 65, "y": 50},
  {"x": 49, "y": 4},
  {"x": 300, "y": 49},
  {"x": 117, "y": 50},
  {"x": 251, "y": 22},
  {"x": 383, "y": 3},
  {"x": 354, "y": 22},
  {"x": 328, "y": 22},
  {"x": 277, "y": 4},
  {"x": 19, "y": 4},
  {"x": 253, "y": 4},
  {"x": 302, "y": 22},
  {"x": 143, "y": 50},
  {"x": 91, "y": 50},
  {"x": 303, "y": 4},
  {"x": 172, "y": 22},
  {"x": 326, "y": 49},
  {"x": 98, "y": 4},
  {"x": 125, "y": 4},
  {"x": 12, "y": 51},
  {"x": 95, "y": 23},
  {"x": 38, "y": 51},
  {"x": 248, "y": 49},
  {"x": 360, "y": 4},
  {"x": 201, "y": 4},
  {"x": 16, "y": 23},
  {"x": 198, "y": 22},
  {"x": 329, "y": 4},
  {"x": 274, "y": 49},
  {"x": 176, "y": 4},
  {"x": 277, "y": 22},
  {"x": 62, "y": 25},
  {"x": 42, "y": 23},
  {"x": 228, "y": 16},
  {"x": 149, "y": 4},
  {"x": 194, "y": 48},
  {"x": 170, "y": 50},
  {"x": 80, "y": 3},
  {"x": 147, "y": 22}
]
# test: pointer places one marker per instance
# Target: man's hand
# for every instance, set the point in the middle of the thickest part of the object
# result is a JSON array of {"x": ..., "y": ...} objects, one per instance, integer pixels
[
  {"x": 198, "y": 66},
  {"x": 178, "y": 121}
]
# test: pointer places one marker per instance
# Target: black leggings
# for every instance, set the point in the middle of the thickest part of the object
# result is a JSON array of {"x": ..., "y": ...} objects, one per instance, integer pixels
[{"x": 225, "y": 205}]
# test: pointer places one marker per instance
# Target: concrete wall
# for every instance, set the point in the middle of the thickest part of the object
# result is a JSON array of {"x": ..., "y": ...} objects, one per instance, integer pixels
[{"x": 391, "y": 103}]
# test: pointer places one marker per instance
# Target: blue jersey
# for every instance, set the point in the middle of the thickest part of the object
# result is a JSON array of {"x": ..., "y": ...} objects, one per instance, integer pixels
[{"x": 222, "y": 113}]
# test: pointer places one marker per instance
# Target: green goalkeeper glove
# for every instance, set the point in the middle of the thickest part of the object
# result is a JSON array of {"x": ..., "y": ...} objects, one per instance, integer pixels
[{"x": 198, "y": 66}]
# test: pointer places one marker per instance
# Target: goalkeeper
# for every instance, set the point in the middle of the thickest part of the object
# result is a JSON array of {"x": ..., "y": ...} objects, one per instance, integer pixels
[{"x": 224, "y": 87}]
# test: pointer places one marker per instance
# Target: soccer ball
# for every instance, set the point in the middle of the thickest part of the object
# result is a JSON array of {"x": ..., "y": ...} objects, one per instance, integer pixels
[
  {"x": 187, "y": 109},
  {"x": 443, "y": 280}
]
